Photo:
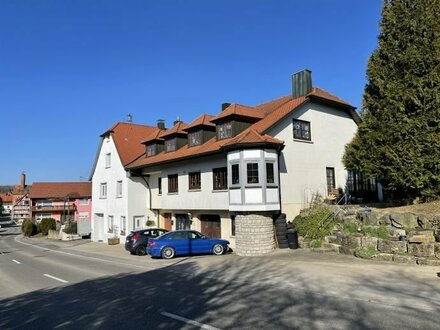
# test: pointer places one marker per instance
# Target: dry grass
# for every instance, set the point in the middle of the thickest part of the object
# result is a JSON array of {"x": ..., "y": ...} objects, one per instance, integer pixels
[{"x": 432, "y": 208}]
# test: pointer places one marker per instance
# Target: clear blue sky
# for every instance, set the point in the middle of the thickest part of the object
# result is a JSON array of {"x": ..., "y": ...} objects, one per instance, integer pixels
[{"x": 70, "y": 69}]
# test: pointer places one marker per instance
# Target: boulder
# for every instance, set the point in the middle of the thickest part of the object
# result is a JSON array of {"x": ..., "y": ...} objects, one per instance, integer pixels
[
  {"x": 404, "y": 259},
  {"x": 437, "y": 250},
  {"x": 421, "y": 250},
  {"x": 384, "y": 257},
  {"x": 421, "y": 236},
  {"x": 369, "y": 242},
  {"x": 394, "y": 247}
]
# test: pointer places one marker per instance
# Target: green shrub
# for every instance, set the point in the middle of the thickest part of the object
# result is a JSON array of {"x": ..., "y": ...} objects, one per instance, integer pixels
[
  {"x": 28, "y": 228},
  {"x": 315, "y": 224},
  {"x": 71, "y": 228},
  {"x": 317, "y": 243},
  {"x": 352, "y": 227},
  {"x": 365, "y": 252},
  {"x": 47, "y": 224}
]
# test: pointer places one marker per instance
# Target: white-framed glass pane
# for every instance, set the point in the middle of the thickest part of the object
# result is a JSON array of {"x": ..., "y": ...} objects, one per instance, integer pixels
[
  {"x": 118, "y": 188},
  {"x": 108, "y": 160}
]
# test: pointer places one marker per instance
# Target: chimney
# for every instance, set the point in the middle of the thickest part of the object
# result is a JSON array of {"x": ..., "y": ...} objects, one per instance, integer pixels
[
  {"x": 161, "y": 124},
  {"x": 225, "y": 105},
  {"x": 177, "y": 121},
  {"x": 23, "y": 180},
  {"x": 129, "y": 117},
  {"x": 301, "y": 83}
]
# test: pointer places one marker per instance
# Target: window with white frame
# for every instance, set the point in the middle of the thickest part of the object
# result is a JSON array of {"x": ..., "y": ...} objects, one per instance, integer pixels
[
  {"x": 41, "y": 216},
  {"x": 118, "y": 188},
  {"x": 44, "y": 202},
  {"x": 235, "y": 174},
  {"x": 111, "y": 224},
  {"x": 84, "y": 201},
  {"x": 270, "y": 173},
  {"x": 83, "y": 216},
  {"x": 252, "y": 173},
  {"x": 108, "y": 160},
  {"x": 103, "y": 190}
]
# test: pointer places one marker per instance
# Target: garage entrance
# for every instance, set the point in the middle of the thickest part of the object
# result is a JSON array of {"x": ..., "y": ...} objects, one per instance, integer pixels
[{"x": 211, "y": 225}]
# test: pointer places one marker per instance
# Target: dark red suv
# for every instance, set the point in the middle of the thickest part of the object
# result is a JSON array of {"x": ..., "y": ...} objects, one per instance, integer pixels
[{"x": 137, "y": 241}]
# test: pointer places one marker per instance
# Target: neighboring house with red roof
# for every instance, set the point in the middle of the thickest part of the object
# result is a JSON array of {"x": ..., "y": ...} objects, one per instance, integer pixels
[
  {"x": 6, "y": 203},
  {"x": 61, "y": 200},
  {"x": 264, "y": 159},
  {"x": 20, "y": 200}
]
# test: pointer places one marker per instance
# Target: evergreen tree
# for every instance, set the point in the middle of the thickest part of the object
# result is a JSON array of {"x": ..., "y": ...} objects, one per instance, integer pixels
[{"x": 398, "y": 140}]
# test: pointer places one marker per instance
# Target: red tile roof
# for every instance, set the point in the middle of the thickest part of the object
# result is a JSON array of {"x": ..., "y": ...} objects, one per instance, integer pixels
[
  {"x": 202, "y": 120},
  {"x": 178, "y": 128},
  {"x": 61, "y": 189},
  {"x": 251, "y": 137},
  {"x": 128, "y": 139},
  {"x": 268, "y": 113},
  {"x": 6, "y": 198},
  {"x": 238, "y": 110}
]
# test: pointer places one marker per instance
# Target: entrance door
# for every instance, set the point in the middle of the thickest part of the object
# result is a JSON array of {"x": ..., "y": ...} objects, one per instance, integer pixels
[
  {"x": 211, "y": 225},
  {"x": 98, "y": 227},
  {"x": 167, "y": 221},
  {"x": 182, "y": 222}
]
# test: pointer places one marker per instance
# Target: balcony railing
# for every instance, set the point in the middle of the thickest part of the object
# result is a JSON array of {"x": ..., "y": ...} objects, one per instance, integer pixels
[{"x": 53, "y": 208}]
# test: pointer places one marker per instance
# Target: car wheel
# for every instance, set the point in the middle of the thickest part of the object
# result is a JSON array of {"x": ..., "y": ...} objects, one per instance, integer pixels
[
  {"x": 218, "y": 249},
  {"x": 140, "y": 251},
  {"x": 167, "y": 253}
]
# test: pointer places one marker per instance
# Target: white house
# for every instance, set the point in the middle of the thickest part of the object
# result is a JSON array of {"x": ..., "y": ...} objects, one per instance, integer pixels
[
  {"x": 224, "y": 174},
  {"x": 119, "y": 200}
]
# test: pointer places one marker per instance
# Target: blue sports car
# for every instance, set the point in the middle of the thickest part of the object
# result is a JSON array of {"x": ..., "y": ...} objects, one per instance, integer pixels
[{"x": 185, "y": 242}]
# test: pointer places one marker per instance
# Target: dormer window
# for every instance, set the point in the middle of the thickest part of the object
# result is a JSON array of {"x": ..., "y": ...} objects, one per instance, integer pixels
[
  {"x": 195, "y": 138},
  {"x": 170, "y": 145},
  {"x": 151, "y": 150},
  {"x": 224, "y": 130}
]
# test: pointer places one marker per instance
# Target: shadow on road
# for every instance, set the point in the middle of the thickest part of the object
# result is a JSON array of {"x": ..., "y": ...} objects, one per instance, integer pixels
[{"x": 227, "y": 296}]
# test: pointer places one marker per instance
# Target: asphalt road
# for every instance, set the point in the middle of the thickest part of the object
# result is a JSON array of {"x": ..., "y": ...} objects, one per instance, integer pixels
[{"x": 49, "y": 287}]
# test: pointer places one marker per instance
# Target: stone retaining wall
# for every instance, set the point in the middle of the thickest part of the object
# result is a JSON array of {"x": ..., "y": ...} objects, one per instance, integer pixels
[{"x": 253, "y": 234}]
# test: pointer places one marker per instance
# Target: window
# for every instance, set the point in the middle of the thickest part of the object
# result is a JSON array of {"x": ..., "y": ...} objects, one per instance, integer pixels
[
  {"x": 83, "y": 216},
  {"x": 118, "y": 188},
  {"x": 44, "y": 202},
  {"x": 330, "y": 171},
  {"x": 173, "y": 184},
  {"x": 110, "y": 222},
  {"x": 151, "y": 150},
  {"x": 123, "y": 224},
  {"x": 103, "y": 190},
  {"x": 194, "y": 180},
  {"x": 219, "y": 177},
  {"x": 41, "y": 216},
  {"x": 233, "y": 225},
  {"x": 108, "y": 160},
  {"x": 301, "y": 130},
  {"x": 195, "y": 138},
  {"x": 170, "y": 145},
  {"x": 252, "y": 173},
  {"x": 159, "y": 185},
  {"x": 270, "y": 177},
  {"x": 224, "y": 130},
  {"x": 84, "y": 201},
  {"x": 235, "y": 174}
]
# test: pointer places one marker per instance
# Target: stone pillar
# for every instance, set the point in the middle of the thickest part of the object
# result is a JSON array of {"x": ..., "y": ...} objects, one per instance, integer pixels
[{"x": 253, "y": 234}]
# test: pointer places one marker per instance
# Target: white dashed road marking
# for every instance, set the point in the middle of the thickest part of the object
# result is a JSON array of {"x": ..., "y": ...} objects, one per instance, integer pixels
[
  {"x": 56, "y": 278},
  {"x": 188, "y": 321},
  {"x": 17, "y": 262}
]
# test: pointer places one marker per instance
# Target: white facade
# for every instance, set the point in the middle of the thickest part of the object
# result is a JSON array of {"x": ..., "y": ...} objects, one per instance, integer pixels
[
  {"x": 303, "y": 163},
  {"x": 121, "y": 206}
]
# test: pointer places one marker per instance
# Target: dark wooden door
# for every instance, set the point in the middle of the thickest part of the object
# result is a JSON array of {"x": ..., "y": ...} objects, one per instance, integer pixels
[
  {"x": 211, "y": 225},
  {"x": 182, "y": 222},
  {"x": 167, "y": 221}
]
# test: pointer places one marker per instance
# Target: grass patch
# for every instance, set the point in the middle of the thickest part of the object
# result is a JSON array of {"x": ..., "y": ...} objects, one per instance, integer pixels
[
  {"x": 379, "y": 232},
  {"x": 365, "y": 253}
]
